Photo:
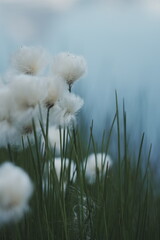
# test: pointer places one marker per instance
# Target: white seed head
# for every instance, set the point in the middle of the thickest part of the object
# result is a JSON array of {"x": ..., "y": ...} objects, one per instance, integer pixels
[
  {"x": 23, "y": 120},
  {"x": 15, "y": 191},
  {"x": 64, "y": 168},
  {"x": 99, "y": 162},
  {"x": 27, "y": 91},
  {"x": 8, "y": 133},
  {"x": 54, "y": 138},
  {"x": 55, "y": 88},
  {"x": 70, "y": 67},
  {"x": 66, "y": 108},
  {"x": 29, "y": 60},
  {"x": 6, "y": 104}
]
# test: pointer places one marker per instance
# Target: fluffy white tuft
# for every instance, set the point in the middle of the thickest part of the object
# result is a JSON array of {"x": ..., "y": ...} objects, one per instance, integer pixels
[
  {"x": 54, "y": 138},
  {"x": 29, "y": 60},
  {"x": 70, "y": 67},
  {"x": 63, "y": 166},
  {"x": 63, "y": 169},
  {"x": 55, "y": 89},
  {"x": 8, "y": 134},
  {"x": 6, "y": 104},
  {"x": 15, "y": 191},
  {"x": 96, "y": 162},
  {"x": 63, "y": 113},
  {"x": 27, "y": 91}
]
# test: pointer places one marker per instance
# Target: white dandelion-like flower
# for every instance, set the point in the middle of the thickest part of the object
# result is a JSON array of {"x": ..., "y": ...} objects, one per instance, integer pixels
[
  {"x": 64, "y": 111},
  {"x": 16, "y": 189},
  {"x": 23, "y": 120},
  {"x": 65, "y": 170},
  {"x": 6, "y": 104},
  {"x": 54, "y": 138},
  {"x": 70, "y": 67},
  {"x": 8, "y": 134},
  {"x": 55, "y": 89},
  {"x": 63, "y": 165},
  {"x": 99, "y": 162},
  {"x": 29, "y": 60},
  {"x": 27, "y": 91}
]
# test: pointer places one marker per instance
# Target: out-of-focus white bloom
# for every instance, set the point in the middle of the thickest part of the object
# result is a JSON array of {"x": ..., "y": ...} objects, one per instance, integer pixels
[
  {"x": 54, "y": 138},
  {"x": 29, "y": 60},
  {"x": 8, "y": 134},
  {"x": 8, "y": 131},
  {"x": 99, "y": 162},
  {"x": 6, "y": 104},
  {"x": 18, "y": 107},
  {"x": 62, "y": 167},
  {"x": 27, "y": 91},
  {"x": 23, "y": 120},
  {"x": 55, "y": 88},
  {"x": 15, "y": 191},
  {"x": 65, "y": 170},
  {"x": 70, "y": 67},
  {"x": 65, "y": 109}
]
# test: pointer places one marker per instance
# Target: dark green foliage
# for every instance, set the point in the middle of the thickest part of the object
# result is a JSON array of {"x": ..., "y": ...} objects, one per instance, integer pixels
[{"x": 120, "y": 205}]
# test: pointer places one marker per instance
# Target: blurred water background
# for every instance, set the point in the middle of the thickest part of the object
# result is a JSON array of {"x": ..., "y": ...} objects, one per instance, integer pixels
[{"x": 121, "y": 43}]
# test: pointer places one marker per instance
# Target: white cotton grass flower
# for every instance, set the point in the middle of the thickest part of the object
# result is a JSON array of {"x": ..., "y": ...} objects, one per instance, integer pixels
[
  {"x": 62, "y": 167},
  {"x": 55, "y": 89},
  {"x": 54, "y": 138},
  {"x": 6, "y": 104},
  {"x": 16, "y": 124},
  {"x": 29, "y": 60},
  {"x": 23, "y": 120},
  {"x": 16, "y": 189},
  {"x": 65, "y": 110},
  {"x": 8, "y": 133},
  {"x": 99, "y": 162},
  {"x": 27, "y": 91},
  {"x": 70, "y": 67},
  {"x": 12, "y": 134},
  {"x": 65, "y": 170}
]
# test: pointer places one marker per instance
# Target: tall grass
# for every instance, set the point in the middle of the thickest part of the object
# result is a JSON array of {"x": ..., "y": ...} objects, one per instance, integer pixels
[{"x": 122, "y": 204}]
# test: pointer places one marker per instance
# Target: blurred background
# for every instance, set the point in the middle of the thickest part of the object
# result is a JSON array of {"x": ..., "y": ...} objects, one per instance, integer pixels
[{"x": 121, "y": 43}]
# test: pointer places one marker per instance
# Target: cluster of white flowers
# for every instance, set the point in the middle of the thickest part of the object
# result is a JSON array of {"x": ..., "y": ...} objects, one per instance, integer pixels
[
  {"x": 34, "y": 84},
  {"x": 15, "y": 191}
]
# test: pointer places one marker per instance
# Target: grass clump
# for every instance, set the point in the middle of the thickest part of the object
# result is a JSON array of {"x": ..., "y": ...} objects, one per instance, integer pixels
[{"x": 120, "y": 203}]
